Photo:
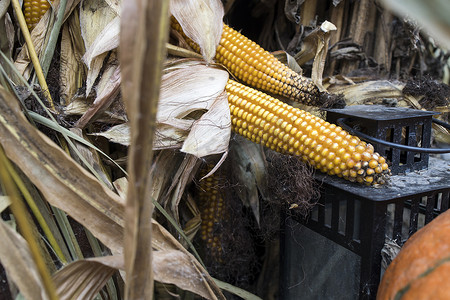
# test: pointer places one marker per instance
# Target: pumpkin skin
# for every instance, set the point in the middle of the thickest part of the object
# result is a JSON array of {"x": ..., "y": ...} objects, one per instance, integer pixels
[{"x": 421, "y": 270}]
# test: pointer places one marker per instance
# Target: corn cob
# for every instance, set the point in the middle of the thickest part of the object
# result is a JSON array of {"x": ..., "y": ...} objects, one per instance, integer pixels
[
  {"x": 211, "y": 204},
  {"x": 34, "y": 10},
  {"x": 256, "y": 67},
  {"x": 283, "y": 128}
]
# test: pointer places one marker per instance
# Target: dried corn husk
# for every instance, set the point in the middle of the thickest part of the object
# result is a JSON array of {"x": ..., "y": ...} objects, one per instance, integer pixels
[
  {"x": 107, "y": 91},
  {"x": 193, "y": 112},
  {"x": 71, "y": 188},
  {"x": 16, "y": 258},
  {"x": 315, "y": 45},
  {"x": 38, "y": 36},
  {"x": 6, "y": 29},
  {"x": 250, "y": 168},
  {"x": 369, "y": 91},
  {"x": 72, "y": 71},
  {"x": 193, "y": 87},
  {"x": 100, "y": 31},
  {"x": 201, "y": 21}
]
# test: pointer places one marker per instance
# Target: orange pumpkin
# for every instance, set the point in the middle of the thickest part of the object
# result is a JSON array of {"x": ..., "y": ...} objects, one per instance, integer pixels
[{"x": 422, "y": 268}]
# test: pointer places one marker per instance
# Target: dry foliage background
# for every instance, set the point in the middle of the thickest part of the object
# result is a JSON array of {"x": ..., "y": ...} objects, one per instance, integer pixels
[{"x": 69, "y": 158}]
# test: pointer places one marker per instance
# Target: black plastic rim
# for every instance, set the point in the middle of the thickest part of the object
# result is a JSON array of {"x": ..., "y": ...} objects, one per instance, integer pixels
[{"x": 341, "y": 122}]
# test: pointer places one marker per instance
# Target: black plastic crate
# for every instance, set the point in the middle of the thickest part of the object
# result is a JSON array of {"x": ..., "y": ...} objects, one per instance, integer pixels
[
  {"x": 360, "y": 219},
  {"x": 404, "y": 126}
]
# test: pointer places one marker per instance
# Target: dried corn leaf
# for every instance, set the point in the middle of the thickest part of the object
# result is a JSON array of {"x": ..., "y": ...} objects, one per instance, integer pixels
[
  {"x": 117, "y": 134},
  {"x": 7, "y": 38},
  {"x": 92, "y": 157},
  {"x": 181, "y": 274},
  {"x": 38, "y": 36},
  {"x": 100, "y": 31},
  {"x": 106, "y": 40},
  {"x": 442, "y": 109},
  {"x": 323, "y": 40},
  {"x": 163, "y": 240},
  {"x": 170, "y": 137},
  {"x": 216, "y": 166},
  {"x": 192, "y": 84},
  {"x": 107, "y": 91},
  {"x": 180, "y": 180},
  {"x": 339, "y": 80},
  {"x": 172, "y": 249},
  {"x": 186, "y": 89},
  {"x": 441, "y": 135},
  {"x": 80, "y": 105},
  {"x": 72, "y": 70},
  {"x": 170, "y": 266},
  {"x": 182, "y": 52},
  {"x": 193, "y": 225},
  {"x": 6, "y": 31},
  {"x": 249, "y": 167},
  {"x": 311, "y": 42},
  {"x": 196, "y": 88},
  {"x": 201, "y": 21},
  {"x": 4, "y": 7},
  {"x": 63, "y": 183},
  {"x": 210, "y": 134},
  {"x": 83, "y": 279},
  {"x": 288, "y": 60},
  {"x": 4, "y": 203},
  {"x": 369, "y": 91},
  {"x": 171, "y": 172},
  {"x": 96, "y": 52},
  {"x": 171, "y": 261},
  {"x": 94, "y": 71},
  {"x": 167, "y": 137},
  {"x": 165, "y": 165},
  {"x": 315, "y": 45},
  {"x": 121, "y": 185},
  {"x": 410, "y": 101},
  {"x": 68, "y": 186},
  {"x": 19, "y": 265},
  {"x": 98, "y": 22},
  {"x": 115, "y": 5}
]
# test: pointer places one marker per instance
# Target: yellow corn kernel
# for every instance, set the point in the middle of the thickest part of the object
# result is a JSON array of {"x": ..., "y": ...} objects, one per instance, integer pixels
[
  {"x": 256, "y": 67},
  {"x": 212, "y": 213},
  {"x": 34, "y": 10},
  {"x": 329, "y": 153}
]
